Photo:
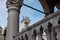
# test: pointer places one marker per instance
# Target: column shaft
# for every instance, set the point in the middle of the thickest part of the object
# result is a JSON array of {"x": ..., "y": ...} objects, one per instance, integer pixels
[
  {"x": 13, "y": 7},
  {"x": 48, "y": 35},
  {"x": 58, "y": 34},
  {"x": 13, "y": 23},
  {"x": 53, "y": 34},
  {"x": 39, "y": 37}
]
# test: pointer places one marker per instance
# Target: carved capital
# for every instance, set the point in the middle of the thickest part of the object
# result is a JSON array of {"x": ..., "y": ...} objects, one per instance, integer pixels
[
  {"x": 14, "y": 5},
  {"x": 18, "y": 3}
]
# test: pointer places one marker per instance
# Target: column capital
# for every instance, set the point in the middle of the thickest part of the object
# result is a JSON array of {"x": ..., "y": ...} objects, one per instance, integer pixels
[
  {"x": 14, "y": 4},
  {"x": 20, "y": 2}
]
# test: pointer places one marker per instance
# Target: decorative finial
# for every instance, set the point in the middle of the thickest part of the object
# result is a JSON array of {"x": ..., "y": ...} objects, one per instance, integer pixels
[
  {"x": 59, "y": 21},
  {"x": 49, "y": 26},
  {"x": 25, "y": 22},
  {"x": 41, "y": 29}
]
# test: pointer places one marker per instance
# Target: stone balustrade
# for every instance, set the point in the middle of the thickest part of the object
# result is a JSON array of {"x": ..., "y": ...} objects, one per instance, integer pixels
[{"x": 31, "y": 35}]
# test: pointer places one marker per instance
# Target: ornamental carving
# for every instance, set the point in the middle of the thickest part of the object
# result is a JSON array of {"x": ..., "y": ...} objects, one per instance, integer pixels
[
  {"x": 49, "y": 26},
  {"x": 14, "y": 1}
]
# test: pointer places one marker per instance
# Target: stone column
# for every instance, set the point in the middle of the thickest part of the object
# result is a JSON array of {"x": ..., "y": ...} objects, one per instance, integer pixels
[
  {"x": 39, "y": 36},
  {"x": 58, "y": 29},
  {"x": 53, "y": 34},
  {"x": 58, "y": 32},
  {"x": 48, "y": 34},
  {"x": 48, "y": 31},
  {"x": 13, "y": 18}
]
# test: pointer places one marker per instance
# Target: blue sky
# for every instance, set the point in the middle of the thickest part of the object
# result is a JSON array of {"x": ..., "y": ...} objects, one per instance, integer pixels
[{"x": 25, "y": 11}]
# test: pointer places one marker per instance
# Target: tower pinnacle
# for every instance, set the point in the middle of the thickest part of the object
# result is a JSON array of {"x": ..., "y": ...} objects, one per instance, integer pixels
[{"x": 25, "y": 22}]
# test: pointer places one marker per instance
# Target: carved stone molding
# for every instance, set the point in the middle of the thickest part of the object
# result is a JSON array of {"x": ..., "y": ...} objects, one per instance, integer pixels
[
  {"x": 17, "y": 3},
  {"x": 14, "y": 1}
]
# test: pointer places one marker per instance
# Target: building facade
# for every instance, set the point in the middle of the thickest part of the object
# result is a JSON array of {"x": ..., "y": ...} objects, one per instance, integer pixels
[{"x": 50, "y": 25}]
